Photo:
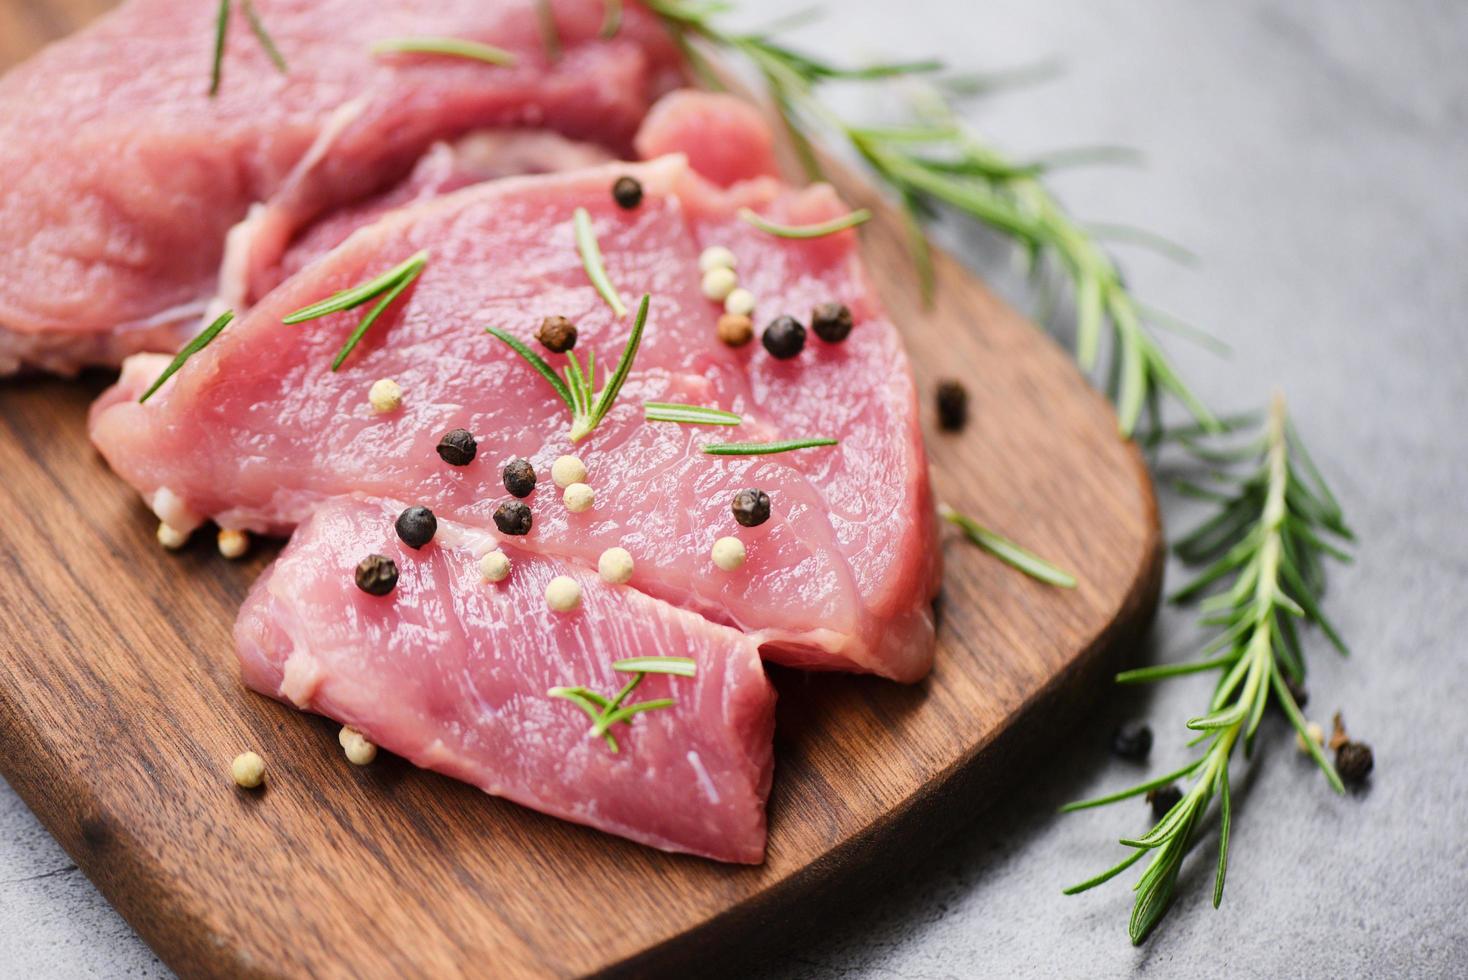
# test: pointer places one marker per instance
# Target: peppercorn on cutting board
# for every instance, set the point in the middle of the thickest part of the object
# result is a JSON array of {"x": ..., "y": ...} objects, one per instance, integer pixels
[{"x": 120, "y": 705}]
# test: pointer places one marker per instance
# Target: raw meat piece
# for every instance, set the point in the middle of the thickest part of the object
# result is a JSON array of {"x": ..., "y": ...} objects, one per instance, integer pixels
[
  {"x": 724, "y": 137},
  {"x": 256, "y": 431},
  {"x": 452, "y": 672},
  {"x": 120, "y": 177}
]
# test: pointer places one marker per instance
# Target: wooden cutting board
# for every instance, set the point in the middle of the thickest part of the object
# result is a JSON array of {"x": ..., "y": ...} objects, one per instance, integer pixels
[{"x": 120, "y": 704}]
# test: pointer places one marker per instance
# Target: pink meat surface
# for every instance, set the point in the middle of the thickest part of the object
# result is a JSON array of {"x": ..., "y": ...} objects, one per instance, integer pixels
[
  {"x": 256, "y": 431},
  {"x": 452, "y": 672},
  {"x": 120, "y": 177}
]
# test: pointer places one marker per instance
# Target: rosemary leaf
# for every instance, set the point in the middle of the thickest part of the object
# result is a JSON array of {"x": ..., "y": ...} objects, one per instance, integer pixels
[
  {"x": 611, "y": 19},
  {"x": 348, "y": 299},
  {"x": 1007, "y": 551},
  {"x": 857, "y": 217},
  {"x": 221, "y": 31},
  {"x": 190, "y": 349},
  {"x": 452, "y": 47},
  {"x": 367, "y": 321},
  {"x": 764, "y": 448},
  {"x": 680, "y": 666},
  {"x": 688, "y": 414},
  {"x": 550, "y": 34},
  {"x": 257, "y": 26},
  {"x": 591, "y": 258},
  {"x": 536, "y": 361}
]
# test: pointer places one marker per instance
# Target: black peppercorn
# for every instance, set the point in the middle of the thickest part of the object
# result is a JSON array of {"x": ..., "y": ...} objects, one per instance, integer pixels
[
  {"x": 1132, "y": 740},
  {"x": 457, "y": 448},
  {"x": 831, "y": 322},
  {"x": 376, "y": 575},
  {"x": 519, "y": 477},
  {"x": 952, "y": 406},
  {"x": 751, "y": 507},
  {"x": 512, "y": 517},
  {"x": 784, "y": 337},
  {"x": 627, "y": 192},
  {"x": 416, "y": 526},
  {"x": 557, "y": 334},
  {"x": 1163, "y": 798},
  {"x": 1298, "y": 692},
  {"x": 1354, "y": 761}
]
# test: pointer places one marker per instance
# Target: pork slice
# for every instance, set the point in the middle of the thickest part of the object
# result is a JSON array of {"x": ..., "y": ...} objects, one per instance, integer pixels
[
  {"x": 256, "y": 431},
  {"x": 120, "y": 177},
  {"x": 452, "y": 672}
]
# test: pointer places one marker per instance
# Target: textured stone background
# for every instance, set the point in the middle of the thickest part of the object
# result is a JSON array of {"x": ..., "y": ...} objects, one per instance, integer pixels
[{"x": 1315, "y": 155}]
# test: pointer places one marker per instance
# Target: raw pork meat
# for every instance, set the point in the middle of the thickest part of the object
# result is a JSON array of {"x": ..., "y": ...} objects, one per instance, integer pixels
[
  {"x": 256, "y": 431},
  {"x": 120, "y": 177},
  {"x": 452, "y": 673}
]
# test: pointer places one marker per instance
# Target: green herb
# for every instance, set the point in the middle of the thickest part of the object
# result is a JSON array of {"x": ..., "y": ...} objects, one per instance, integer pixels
[
  {"x": 550, "y": 35},
  {"x": 1007, "y": 551},
  {"x": 605, "y": 712},
  {"x": 857, "y": 217},
  {"x": 452, "y": 47},
  {"x": 221, "y": 32},
  {"x": 764, "y": 448},
  {"x": 591, "y": 258},
  {"x": 390, "y": 285},
  {"x": 932, "y": 161},
  {"x": 1263, "y": 556},
  {"x": 611, "y": 18},
  {"x": 688, "y": 414},
  {"x": 190, "y": 349},
  {"x": 587, "y": 407}
]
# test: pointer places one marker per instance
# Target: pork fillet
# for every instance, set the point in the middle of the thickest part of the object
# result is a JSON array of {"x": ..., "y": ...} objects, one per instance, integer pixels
[
  {"x": 452, "y": 673},
  {"x": 256, "y": 431},
  {"x": 120, "y": 177}
]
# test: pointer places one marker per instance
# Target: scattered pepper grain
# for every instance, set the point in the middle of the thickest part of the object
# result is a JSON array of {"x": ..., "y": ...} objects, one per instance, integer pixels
[
  {"x": 1133, "y": 740},
  {"x": 1163, "y": 799},
  {"x": 232, "y": 543},
  {"x": 377, "y": 575},
  {"x": 457, "y": 447},
  {"x": 627, "y": 192},
  {"x": 739, "y": 302},
  {"x": 1354, "y": 761},
  {"x": 416, "y": 526},
  {"x": 716, "y": 257},
  {"x": 513, "y": 517},
  {"x": 784, "y": 337},
  {"x": 952, "y": 398},
  {"x": 615, "y": 566},
  {"x": 495, "y": 566},
  {"x": 717, "y": 284},
  {"x": 728, "y": 554},
  {"x": 751, "y": 507},
  {"x": 556, "y": 334},
  {"x": 831, "y": 322},
  {"x": 171, "y": 537},
  {"x": 360, "y": 751},
  {"x": 567, "y": 470},
  {"x": 247, "y": 770},
  {"x": 1316, "y": 733},
  {"x": 385, "y": 396},
  {"x": 735, "y": 329},
  {"x": 563, "y": 594},
  {"x": 519, "y": 477},
  {"x": 579, "y": 497}
]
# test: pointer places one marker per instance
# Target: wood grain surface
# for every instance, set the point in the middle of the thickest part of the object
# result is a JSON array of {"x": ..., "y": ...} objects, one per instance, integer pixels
[{"x": 120, "y": 704}]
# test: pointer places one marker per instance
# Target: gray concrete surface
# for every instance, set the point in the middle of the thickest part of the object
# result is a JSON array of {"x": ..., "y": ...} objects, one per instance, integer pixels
[{"x": 1315, "y": 154}]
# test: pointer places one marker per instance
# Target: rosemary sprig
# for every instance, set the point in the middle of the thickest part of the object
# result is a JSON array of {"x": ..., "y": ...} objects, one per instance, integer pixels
[
  {"x": 453, "y": 47},
  {"x": 1267, "y": 544},
  {"x": 190, "y": 349},
  {"x": 605, "y": 712},
  {"x": 390, "y": 285},
  {"x": 221, "y": 32},
  {"x": 688, "y": 414},
  {"x": 587, "y": 406},
  {"x": 764, "y": 448},
  {"x": 858, "y": 217},
  {"x": 550, "y": 34},
  {"x": 1007, "y": 551},
  {"x": 596, "y": 270},
  {"x": 933, "y": 160}
]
